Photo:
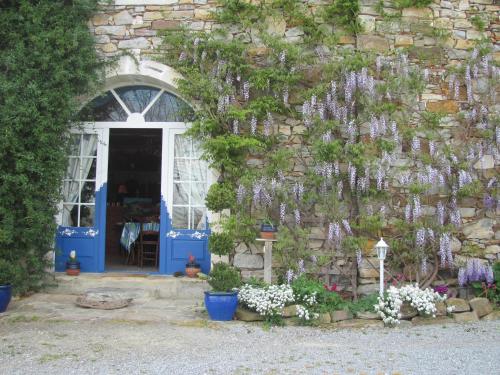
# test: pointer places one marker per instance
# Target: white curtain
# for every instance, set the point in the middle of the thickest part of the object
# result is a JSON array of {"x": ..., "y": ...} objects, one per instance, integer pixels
[{"x": 83, "y": 162}]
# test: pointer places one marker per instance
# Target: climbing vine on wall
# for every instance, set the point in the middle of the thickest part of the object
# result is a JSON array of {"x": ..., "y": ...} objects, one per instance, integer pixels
[
  {"x": 47, "y": 60},
  {"x": 316, "y": 137}
]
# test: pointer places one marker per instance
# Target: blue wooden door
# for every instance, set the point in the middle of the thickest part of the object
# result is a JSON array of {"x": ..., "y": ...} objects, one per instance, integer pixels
[
  {"x": 82, "y": 216},
  {"x": 184, "y": 224}
]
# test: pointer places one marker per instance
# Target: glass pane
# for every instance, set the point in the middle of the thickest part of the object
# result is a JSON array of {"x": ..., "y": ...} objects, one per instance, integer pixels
[
  {"x": 70, "y": 191},
  {"x": 181, "y": 192},
  {"x": 182, "y": 147},
  {"x": 87, "y": 214},
  {"x": 198, "y": 217},
  {"x": 70, "y": 215},
  {"x": 88, "y": 192},
  {"x": 103, "y": 108},
  {"x": 89, "y": 145},
  {"x": 169, "y": 107},
  {"x": 198, "y": 170},
  {"x": 181, "y": 170},
  {"x": 74, "y": 144},
  {"x": 88, "y": 168},
  {"x": 198, "y": 194},
  {"x": 73, "y": 169},
  {"x": 137, "y": 98},
  {"x": 180, "y": 218}
]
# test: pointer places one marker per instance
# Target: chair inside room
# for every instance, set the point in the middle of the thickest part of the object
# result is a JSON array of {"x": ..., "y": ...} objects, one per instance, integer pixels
[{"x": 148, "y": 244}]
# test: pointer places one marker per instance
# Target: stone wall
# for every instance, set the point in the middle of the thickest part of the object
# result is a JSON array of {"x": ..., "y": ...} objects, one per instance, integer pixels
[{"x": 443, "y": 31}]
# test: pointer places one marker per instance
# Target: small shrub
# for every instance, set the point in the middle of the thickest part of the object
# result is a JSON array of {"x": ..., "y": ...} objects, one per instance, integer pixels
[
  {"x": 224, "y": 278},
  {"x": 221, "y": 243},
  {"x": 7, "y": 272},
  {"x": 220, "y": 196},
  {"x": 326, "y": 301},
  {"x": 363, "y": 304}
]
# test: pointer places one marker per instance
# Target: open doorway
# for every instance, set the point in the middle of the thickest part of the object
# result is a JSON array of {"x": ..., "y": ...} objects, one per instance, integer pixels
[{"x": 133, "y": 200}]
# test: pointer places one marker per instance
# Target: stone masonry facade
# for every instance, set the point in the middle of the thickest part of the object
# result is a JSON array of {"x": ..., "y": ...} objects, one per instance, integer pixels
[{"x": 136, "y": 29}]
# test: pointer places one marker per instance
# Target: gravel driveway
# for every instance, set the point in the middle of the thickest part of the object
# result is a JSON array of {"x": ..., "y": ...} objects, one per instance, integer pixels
[{"x": 196, "y": 346}]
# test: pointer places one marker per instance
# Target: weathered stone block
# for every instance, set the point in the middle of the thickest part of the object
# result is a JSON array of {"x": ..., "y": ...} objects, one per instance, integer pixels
[
  {"x": 123, "y": 18},
  {"x": 417, "y": 12},
  {"x": 403, "y": 41},
  {"x": 373, "y": 42},
  {"x": 248, "y": 261},
  {"x": 289, "y": 311},
  {"x": 109, "y": 47},
  {"x": 443, "y": 106},
  {"x": 486, "y": 162},
  {"x": 246, "y": 315},
  {"x": 483, "y": 229},
  {"x": 140, "y": 43},
  {"x": 495, "y": 315},
  {"x": 465, "y": 317},
  {"x": 101, "y": 19},
  {"x": 111, "y": 30},
  {"x": 368, "y": 315},
  {"x": 324, "y": 318},
  {"x": 338, "y": 315},
  {"x": 407, "y": 311},
  {"x": 166, "y": 25},
  {"x": 460, "y": 304},
  {"x": 481, "y": 306}
]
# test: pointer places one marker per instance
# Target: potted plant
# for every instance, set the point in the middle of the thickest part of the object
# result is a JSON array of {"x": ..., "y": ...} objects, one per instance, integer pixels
[
  {"x": 221, "y": 302},
  {"x": 268, "y": 230},
  {"x": 192, "y": 268},
  {"x": 72, "y": 265},
  {"x": 6, "y": 277}
]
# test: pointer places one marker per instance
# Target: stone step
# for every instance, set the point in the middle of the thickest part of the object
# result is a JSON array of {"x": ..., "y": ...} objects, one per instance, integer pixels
[{"x": 131, "y": 285}]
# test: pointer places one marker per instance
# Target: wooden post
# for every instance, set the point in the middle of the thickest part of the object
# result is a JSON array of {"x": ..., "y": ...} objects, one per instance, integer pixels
[{"x": 268, "y": 259}]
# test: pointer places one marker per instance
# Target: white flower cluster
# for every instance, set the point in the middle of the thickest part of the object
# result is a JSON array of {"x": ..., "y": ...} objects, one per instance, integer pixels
[
  {"x": 268, "y": 301},
  {"x": 424, "y": 301},
  {"x": 304, "y": 313}
]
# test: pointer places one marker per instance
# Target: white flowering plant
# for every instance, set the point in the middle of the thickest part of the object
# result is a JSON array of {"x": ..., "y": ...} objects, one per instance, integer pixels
[
  {"x": 423, "y": 300},
  {"x": 268, "y": 301}
]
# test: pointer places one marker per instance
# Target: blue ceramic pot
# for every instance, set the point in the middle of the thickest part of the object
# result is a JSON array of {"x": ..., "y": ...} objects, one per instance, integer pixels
[
  {"x": 221, "y": 305},
  {"x": 5, "y": 296}
]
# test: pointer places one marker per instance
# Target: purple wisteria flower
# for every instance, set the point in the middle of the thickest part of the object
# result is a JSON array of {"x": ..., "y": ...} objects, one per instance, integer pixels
[
  {"x": 423, "y": 266},
  {"x": 359, "y": 256},
  {"x": 347, "y": 227},
  {"x": 420, "y": 238},
  {"x": 282, "y": 212},
  {"x": 296, "y": 213},
  {"x": 290, "y": 275},
  {"x": 240, "y": 193},
  {"x": 440, "y": 213},
  {"x": 445, "y": 253},
  {"x": 246, "y": 90}
]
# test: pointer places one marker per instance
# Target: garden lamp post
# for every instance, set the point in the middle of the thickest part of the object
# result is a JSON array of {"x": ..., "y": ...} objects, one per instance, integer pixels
[{"x": 381, "y": 248}]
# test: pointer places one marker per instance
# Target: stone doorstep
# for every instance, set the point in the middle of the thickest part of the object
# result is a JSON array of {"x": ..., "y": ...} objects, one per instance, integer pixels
[{"x": 140, "y": 286}]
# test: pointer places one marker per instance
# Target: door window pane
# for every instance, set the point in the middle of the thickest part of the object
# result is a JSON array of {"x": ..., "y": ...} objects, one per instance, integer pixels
[
  {"x": 180, "y": 218},
  {"x": 190, "y": 185},
  {"x": 87, "y": 214},
  {"x": 103, "y": 108},
  {"x": 79, "y": 184}
]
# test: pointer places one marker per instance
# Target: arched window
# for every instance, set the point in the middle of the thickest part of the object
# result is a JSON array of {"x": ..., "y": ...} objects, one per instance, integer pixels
[{"x": 147, "y": 103}]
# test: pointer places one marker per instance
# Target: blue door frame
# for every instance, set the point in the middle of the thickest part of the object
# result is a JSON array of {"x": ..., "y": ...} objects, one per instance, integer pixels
[{"x": 90, "y": 242}]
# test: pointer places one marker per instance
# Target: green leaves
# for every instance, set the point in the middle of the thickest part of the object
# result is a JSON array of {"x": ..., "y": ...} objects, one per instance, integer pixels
[{"x": 47, "y": 60}]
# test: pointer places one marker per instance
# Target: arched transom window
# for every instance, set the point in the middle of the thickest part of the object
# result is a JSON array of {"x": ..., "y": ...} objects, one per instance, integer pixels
[{"x": 137, "y": 103}]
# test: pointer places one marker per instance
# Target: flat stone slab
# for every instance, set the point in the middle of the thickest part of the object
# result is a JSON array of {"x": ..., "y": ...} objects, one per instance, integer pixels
[
  {"x": 495, "y": 315},
  {"x": 466, "y": 317},
  {"x": 422, "y": 320},
  {"x": 359, "y": 323},
  {"x": 460, "y": 304},
  {"x": 481, "y": 306},
  {"x": 368, "y": 315},
  {"x": 246, "y": 315}
]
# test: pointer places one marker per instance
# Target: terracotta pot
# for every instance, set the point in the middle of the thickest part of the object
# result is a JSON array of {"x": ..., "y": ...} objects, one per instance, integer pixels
[
  {"x": 72, "y": 268},
  {"x": 72, "y": 272},
  {"x": 192, "y": 271},
  {"x": 268, "y": 235}
]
